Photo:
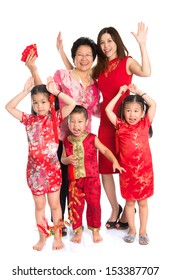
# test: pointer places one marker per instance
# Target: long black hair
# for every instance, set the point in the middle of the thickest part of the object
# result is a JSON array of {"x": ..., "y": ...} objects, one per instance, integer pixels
[{"x": 102, "y": 60}]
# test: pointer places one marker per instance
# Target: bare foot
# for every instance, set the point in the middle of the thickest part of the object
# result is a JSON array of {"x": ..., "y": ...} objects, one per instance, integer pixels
[
  {"x": 40, "y": 244},
  {"x": 97, "y": 237},
  {"x": 77, "y": 237},
  {"x": 57, "y": 244}
]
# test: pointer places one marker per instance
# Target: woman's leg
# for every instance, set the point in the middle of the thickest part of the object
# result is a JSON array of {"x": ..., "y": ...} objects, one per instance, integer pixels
[
  {"x": 109, "y": 186},
  {"x": 40, "y": 202},
  {"x": 64, "y": 188},
  {"x": 54, "y": 203}
]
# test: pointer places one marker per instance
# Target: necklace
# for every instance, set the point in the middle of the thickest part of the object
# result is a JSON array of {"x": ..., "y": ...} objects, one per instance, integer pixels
[{"x": 85, "y": 82}]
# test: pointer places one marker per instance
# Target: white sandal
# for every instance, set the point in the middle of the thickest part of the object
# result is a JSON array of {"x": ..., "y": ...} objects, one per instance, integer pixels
[{"x": 130, "y": 238}]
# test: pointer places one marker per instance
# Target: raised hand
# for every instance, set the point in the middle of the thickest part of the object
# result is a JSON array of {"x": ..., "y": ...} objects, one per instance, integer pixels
[
  {"x": 142, "y": 32},
  {"x": 29, "y": 85},
  {"x": 59, "y": 43},
  {"x": 30, "y": 62}
]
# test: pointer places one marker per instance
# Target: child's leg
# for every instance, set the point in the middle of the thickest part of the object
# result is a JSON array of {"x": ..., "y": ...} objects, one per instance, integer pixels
[
  {"x": 130, "y": 213},
  {"x": 54, "y": 203},
  {"x": 143, "y": 215},
  {"x": 92, "y": 191},
  {"x": 40, "y": 202},
  {"x": 76, "y": 202}
]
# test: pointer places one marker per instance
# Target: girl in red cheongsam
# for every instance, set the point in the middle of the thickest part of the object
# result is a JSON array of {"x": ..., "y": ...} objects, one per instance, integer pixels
[
  {"x": 43, "y": 168},
  {"x": 132, "y": 130}
]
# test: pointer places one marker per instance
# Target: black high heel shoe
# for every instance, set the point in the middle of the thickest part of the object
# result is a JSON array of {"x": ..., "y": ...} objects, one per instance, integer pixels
[
  {"x": 121, "y": 225},
  {"x": 112, "y": 225}
]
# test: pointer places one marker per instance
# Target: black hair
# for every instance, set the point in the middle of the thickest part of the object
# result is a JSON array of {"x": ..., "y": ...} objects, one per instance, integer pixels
[
  {"x": 80, "y": 109},
  {"x": 134, "y": 98},
  {"x": 102, "y": 60},
  {"x": 84, "y": 41},
  {"x": 42, "y": 89}
]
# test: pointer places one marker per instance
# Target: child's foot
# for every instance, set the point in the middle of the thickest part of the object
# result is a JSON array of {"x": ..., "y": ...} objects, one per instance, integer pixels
[
  {"x": 143, "y": 239},
  {"x": 40, "y": 244},
  {"x": 130, "y": 237},
  {"x": 97, "y": 237},
  {"x": 57, "y": 244},
  {"x": 77, "y": 237}
]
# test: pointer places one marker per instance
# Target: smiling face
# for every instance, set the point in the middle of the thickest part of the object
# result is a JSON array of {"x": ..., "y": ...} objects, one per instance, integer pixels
[
  {"x": 133, "y": 112},
  {"x": 40, "y": 104},
  {"x": 84, "y": 58},
  {"x": 108, "y": 46}
]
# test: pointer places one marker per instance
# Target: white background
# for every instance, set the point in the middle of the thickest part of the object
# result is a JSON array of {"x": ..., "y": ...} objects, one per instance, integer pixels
[{"x": 26, "y": 22}]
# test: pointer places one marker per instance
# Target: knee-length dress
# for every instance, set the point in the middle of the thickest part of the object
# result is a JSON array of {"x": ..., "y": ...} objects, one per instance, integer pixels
[
  {"x": 109, "y": 83},
  {"x": 43, "y": 167},
  {"x": 135, "y": 156}
]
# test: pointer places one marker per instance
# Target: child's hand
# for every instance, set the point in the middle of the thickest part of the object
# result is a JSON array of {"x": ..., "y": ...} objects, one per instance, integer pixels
[
  {"x": 133, "y": 88},
  {"x": 118, "y": 167},
  {"x": 51, "y": 86},
  {"x": 123, "y": 89},
  {"x": 29, "y": 84},
  {"x": 30, "y": 62},
  {"x": 72, "y": 159}
]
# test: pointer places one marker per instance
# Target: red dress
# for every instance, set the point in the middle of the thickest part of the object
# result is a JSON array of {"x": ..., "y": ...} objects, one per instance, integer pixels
[
  {"x": 43, "y": 167},
  {"x": 135, "y": 156},
  {"x": 109, "y": 83}
]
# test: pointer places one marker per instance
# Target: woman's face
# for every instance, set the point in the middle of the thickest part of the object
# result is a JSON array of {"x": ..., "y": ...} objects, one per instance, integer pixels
[
  {"x": 108, "y": 46},
  {"x": 84, "y": 58}
]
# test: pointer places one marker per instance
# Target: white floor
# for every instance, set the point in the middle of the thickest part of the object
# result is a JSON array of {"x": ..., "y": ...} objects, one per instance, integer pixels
[{"x": 20, "y": 233}]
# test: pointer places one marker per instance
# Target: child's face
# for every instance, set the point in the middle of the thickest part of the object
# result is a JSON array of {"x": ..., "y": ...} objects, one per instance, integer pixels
[
  {"x": 133, "y": 112},
  {"x": 77, "y": 124},
  {"x": 41, "y": 104}
]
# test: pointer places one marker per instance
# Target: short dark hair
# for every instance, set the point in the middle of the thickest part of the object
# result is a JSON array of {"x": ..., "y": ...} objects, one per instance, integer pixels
[
  {"x": 84, "y": 41},
  {"x": 80, "y": 109}
]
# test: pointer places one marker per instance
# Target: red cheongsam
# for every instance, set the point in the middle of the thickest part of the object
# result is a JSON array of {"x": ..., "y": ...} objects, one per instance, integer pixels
[
  {"x": 135, "y": 156},
  {"x": 109, "y": 84}
]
